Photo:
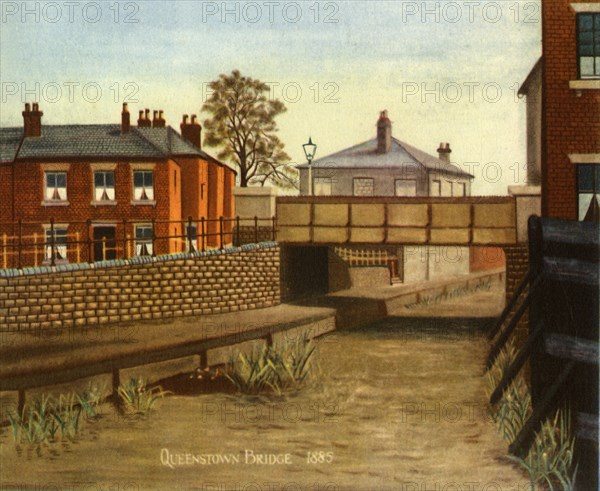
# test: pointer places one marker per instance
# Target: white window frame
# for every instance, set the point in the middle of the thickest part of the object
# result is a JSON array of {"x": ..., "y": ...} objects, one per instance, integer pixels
[
  {"x": 61, "y": 249},
  {"x": 140, "y": 242},
  {"x": 356, "y": 179},
  {"x": 413, "y": 187},
  {"x": 50, "y": 192},
  {"x": 323, "y": 186},
  {"x": 104, "y": 190},
  {"x": 148, "y": 191},
  {"x": 435, "y": 182}
]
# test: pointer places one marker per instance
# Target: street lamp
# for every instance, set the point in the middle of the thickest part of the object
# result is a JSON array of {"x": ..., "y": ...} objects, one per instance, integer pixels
[{"x": 309, "y": 150}]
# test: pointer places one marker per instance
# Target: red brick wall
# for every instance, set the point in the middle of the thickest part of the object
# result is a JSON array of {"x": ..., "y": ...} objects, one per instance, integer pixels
[
  {"x": 485, "y": 258},
  {"x": 29, "y": 194},
  {"x": 215, "y": 201},
  {"x": 571, "y": 122},
  {"x": 194, "y": 201}
]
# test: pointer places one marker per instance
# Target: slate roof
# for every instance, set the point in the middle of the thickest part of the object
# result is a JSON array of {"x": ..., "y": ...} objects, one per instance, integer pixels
[
  {"x": 99, "y": 141},
  {"x": 365, "y": 156}
]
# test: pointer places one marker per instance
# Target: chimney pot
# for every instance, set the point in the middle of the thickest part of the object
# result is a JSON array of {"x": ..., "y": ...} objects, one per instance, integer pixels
[
  {"x": 32, "y": 120},
  {"x": 444, "y": 152},
  {"x": 125, "y": 119},
  {"x": 191, "y": 131},
  {"x": 384, "y": 133}
]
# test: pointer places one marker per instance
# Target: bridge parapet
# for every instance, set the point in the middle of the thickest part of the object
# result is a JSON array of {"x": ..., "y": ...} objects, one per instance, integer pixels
[{"x": 327, "y": 220}]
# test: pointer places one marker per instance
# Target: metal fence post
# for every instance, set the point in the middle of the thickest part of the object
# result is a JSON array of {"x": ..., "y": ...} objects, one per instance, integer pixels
[
  {"x": 189, "y": 234},
  {"x": 221, "y": 232},
  {"x": 21, "y": 241},
  {"x": 255, "y": 229},
  {"x": 52, "y": 243},
  {"x": 153, "y": 237},
  {"x": 274, "y": 224},
  {"x": 237, "y": 226},
  {"x": 125, "y": 239},
  {"x": 202, "y": 220}
]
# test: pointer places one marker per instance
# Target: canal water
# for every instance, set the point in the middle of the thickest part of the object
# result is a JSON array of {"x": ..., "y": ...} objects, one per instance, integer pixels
[{"x": 398, "y": 405}]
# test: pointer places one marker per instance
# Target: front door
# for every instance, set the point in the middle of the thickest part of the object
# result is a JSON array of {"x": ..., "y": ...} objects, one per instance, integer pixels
[{"x": 105, "y": 245}]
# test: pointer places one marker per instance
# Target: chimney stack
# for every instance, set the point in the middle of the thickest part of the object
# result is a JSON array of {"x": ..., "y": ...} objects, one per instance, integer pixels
[
  {"x": 144, "y": 120},
  {"x": 125, "y": 119},
  {"x": 384, "y": 133},
  {"x": 159, "y": 120},
  {"x": 191, "y": 131},
  {"x": 32, "y": 120},
  {"x": 444, "y": 152}
]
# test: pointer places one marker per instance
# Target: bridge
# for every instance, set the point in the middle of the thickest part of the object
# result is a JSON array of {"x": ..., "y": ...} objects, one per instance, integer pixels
[{"x": 334, "y": 220}]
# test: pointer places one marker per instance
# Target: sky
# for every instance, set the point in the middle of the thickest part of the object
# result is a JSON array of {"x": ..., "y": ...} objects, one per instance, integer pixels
[{"x": 445, "y": 71}]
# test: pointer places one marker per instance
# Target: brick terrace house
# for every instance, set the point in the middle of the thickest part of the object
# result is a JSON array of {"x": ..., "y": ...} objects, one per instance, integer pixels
[
  {"x": 569, "y": 136},
  {"x": 385, "y": 166},
  {"x": 117, "y": 186}
]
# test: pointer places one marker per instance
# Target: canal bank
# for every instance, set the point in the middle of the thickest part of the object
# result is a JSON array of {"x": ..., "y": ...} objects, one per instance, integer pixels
[
  {"x": 63, "y": 359},
  {"x": 399, "y": 404}
]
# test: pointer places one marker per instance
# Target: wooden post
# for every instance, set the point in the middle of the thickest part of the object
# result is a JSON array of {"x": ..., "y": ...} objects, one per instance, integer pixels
[
  {"x": 104, "y": 248},
  {"x": 273, "y": 227},
  {"x": 35, "y": 248},
  {"x": 89, "y": 240},
  {"x": 4, "y": 261},
  {"x": 126, "y": 254},
  {"x": 202, "y": 220},
  {"x": 237, "y": 226},
  {"x": 78, "y": 248},
  {"x": 255, "y": 229},
  {"x": 128, "y": 240}
]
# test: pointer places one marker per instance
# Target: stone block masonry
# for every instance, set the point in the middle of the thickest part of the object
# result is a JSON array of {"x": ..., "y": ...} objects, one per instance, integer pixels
[{"x": 142, "y": 288}]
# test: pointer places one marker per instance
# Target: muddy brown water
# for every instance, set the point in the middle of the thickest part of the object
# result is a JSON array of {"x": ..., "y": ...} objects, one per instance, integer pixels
[{"x": 398, "y": 405}]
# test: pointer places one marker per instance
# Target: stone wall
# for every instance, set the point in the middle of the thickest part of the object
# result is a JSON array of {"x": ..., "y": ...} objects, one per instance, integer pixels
[{"x": 211, "y": 282}]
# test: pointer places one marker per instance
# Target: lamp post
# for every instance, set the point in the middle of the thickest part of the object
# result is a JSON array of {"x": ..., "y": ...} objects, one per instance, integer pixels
[{"x": 309, "y": 150}]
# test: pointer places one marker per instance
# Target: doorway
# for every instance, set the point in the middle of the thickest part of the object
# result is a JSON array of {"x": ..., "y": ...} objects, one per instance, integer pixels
[{"x": 105, "y": 244}]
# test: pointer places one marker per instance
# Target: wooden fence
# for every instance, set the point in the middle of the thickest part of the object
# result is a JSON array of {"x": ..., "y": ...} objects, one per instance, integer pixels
[{"x": 561, "y": 293}]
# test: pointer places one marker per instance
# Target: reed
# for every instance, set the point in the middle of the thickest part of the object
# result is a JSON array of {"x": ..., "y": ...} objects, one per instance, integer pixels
[
  {"x": 277, "y": 368},
  {"x": 137, "y": 399}
]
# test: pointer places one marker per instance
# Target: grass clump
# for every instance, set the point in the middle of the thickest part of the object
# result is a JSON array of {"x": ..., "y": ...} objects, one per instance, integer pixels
[
  {"x": 137, "y": 399},
  {"x": 549, "y": 462},
  {"x": 41, "y": 420},
  {"x": 276, "y": 368}
]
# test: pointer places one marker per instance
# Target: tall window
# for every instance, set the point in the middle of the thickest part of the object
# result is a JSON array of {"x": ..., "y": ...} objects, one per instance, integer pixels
[
  {"x": 143, "y": 185},
  {"x": 588, "y": 188},
  {"x": 436, "y": 188},
  {"x": 143, "y": 240},
  {"x": 406, "y": 187},
  {"x": 56, "y": 244},
  {"x": 104, "y": 186},
  {"x": 322, "y": 186},
  {"x": 363, "y": 186},
  {"x": 588, "y": 45},
  {"x": 459, "y": 189},
  {"x": 55, "y": 186}
]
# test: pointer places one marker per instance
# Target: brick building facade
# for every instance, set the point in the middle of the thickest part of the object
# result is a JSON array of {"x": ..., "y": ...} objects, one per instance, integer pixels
[
  {"x": 571, "y": 109},
  {"x": 110, "y": 190}
]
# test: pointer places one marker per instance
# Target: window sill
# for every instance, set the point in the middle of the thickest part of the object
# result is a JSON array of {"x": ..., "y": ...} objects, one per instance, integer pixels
[
  {"x": 147, "y": 202},
  {"x": 585, "y": 84},
  {"x": 104, "y": 203},
  {"x": 55, "y": 203}
]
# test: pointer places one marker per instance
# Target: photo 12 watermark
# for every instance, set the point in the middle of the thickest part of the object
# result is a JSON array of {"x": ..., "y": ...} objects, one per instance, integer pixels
[
  {"x": 470, "y": 12},
  {"x": 69, "y": 91},
  {"x": 69, "y": 12},
  {"x": 270, "y": 12}
]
